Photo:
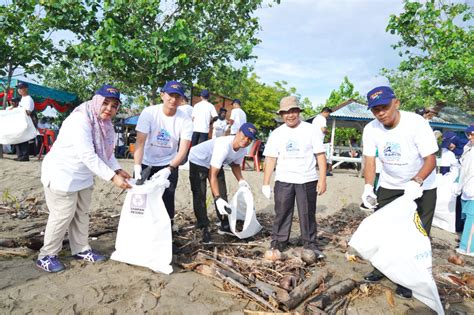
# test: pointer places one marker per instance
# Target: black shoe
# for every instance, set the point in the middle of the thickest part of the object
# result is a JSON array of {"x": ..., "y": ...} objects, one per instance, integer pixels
[
  {"x": 206, "y": 235},
  {"x": 374, "y": 276},
  {"x": 315, "y": 249},
  {"x": 22, "y": 159},
  {"x": 403, "y": 292},
  {"x": 278, "y": 245},
  {"x": 224, "y": 230}
]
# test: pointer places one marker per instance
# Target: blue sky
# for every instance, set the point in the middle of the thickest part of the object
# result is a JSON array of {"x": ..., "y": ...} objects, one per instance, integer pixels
[{"x": 313, "y": 44}]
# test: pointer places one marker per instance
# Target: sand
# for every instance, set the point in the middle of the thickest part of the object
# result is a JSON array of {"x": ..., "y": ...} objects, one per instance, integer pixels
[{"x": 117, "y": 288}]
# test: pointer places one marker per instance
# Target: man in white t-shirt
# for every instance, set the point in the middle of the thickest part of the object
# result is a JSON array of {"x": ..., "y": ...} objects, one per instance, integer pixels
[
  {"x": 220, "y": 126},
  {"x": 237, "y": 117},
  {"x": 320, "y": 124},
  {"x": 406, "y": 147},
  {"x": 294, "y": 149},
  {"x": 185, "y": 107},
  {"x": 27, "y": 103},
  {"x": 203, "y": 113},
  {"x": 205, "y": 162},
  {"x": 159, "y": 130}
]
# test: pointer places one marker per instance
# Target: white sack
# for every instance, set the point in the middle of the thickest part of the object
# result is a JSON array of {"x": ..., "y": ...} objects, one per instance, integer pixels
[
  {"x": 394, "y": 241},
  {"x": 445, "y": 211},
  {"x": 144, "y": 231},
  {"x": 243, "y": 209},
  {"x": 16, "y": 126}
]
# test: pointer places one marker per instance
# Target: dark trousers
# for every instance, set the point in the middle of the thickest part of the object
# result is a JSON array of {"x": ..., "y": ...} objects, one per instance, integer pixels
[
  {"x": 168, "y": 195},
  {"x": 285, "y": 194},
  {"x": 23, "y": 150},
  {"x": 199, "y": 137},
  {"x": 425, "y": 206},
  {"x": 198, "y": 176}
]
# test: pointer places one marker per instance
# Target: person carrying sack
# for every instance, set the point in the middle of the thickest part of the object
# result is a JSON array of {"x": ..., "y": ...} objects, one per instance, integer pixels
[
  {"x": 406, "y": 146},
  {"x": 84, "y": 148},
  {"x": 205, "y": 162}
]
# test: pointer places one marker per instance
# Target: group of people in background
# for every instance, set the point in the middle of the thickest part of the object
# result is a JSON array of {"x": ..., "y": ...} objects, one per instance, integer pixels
[{"x": 167, "y": 135}]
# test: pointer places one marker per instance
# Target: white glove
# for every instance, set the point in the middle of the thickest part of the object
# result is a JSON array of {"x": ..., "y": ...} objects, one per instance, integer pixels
[
  {"x": 223, "y": 206},
  {"x": 137, "y": 171},
  {"x": 413, "y": 190},
  {"x": 369, "y": 199},
  {"x": 267, "y": 191},
  {"x": 455, "y": 189},
  {"x": 243, "y": 183},
  {"x": 164, "y": 173}
]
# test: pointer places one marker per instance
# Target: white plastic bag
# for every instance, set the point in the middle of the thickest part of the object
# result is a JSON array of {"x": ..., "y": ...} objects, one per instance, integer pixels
[
  {"x": 445, "y": 211},
  {"x": 243, "y": 209},
  {"x": 144, "y": 231},
  {"x": 394, "y": 241},
  {"x": 16, "y": 126}
]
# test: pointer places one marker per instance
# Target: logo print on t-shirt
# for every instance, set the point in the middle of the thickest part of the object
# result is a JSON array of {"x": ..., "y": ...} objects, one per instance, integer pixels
[
  {"x": 163, "y": 138},
  {"x": 292, "y": 146},
  {"x": 392, "y": 151}
]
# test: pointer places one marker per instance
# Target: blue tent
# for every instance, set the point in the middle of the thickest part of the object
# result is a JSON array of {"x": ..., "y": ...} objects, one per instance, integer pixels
[{"x": 131, "y": 120}]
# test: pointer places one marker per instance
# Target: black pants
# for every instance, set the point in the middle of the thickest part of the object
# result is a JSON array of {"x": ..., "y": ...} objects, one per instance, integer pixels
[
  {"x": 23, "y": 150},
  {"x": 168, "y": 195},
  {"x": 425, "y": 206},
  {"x": 198, "y": 176},
  {"x": 199, "y": 137},
  {"x": 285, "y": 194}
]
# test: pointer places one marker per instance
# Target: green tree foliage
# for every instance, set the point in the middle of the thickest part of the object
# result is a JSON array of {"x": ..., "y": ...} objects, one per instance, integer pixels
[
  {"x": 147, "y": 43},
  {"x": 437, "y": 39}
]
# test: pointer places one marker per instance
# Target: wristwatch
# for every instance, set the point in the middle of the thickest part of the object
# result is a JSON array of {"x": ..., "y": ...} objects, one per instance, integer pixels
[{"x": 418, "y": 179}]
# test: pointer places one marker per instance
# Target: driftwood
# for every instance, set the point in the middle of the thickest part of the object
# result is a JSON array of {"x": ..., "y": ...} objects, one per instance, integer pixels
[
  {"x": 333, "y": 293},
  {"x": 301, "y": 292},
  {"x": 20, "y": 251}
]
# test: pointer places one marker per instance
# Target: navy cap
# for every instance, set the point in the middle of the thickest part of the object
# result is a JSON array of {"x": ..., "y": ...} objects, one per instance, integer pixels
[
  {"x": 448, "y": 138},
  {"x": 236, "y": 101},
  {"x": 381, "y": 95},
  {"x": 173, "y": 87},
  {"x": 249, "y": 130},
  {"x": 470, "y": 129},
  {"x": 22, "y": 85},
  {"x": 107, "y": 90},
  {"x": 205, "y": 93},
  {"x": 16, "y": 99}
]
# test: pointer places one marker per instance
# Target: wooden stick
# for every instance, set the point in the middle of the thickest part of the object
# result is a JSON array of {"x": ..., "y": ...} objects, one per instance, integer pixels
[
  {"x": 301, "y": 292},
  {"x": 336, "y": 291}
]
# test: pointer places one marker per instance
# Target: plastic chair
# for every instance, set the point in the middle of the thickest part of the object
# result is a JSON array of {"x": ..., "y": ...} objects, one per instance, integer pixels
[
  {"x": 253, "y": 154},
  {"x": 48, "y": 139}
]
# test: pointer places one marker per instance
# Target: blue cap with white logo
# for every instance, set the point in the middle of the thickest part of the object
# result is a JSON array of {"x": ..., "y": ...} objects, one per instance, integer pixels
[{"x": 381, "y": 95}]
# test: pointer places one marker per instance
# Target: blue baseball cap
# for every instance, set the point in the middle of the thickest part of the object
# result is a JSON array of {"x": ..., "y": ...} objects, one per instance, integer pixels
[
  {"x": 448, "y": 138},
  {"x": 205, "y": 93},
  {"x": 173, "y": 87},
  {"x": 108, "y": 91},
  {"x": 381, "y": 95},
  {"x": 249, "y": 130},
  {"x": 22, "y": 85},
  {"x": 470, "y": 129},
  {"x": 237, "y": 101}
]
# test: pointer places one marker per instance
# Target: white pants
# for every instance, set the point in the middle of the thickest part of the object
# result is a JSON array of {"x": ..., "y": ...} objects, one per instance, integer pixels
[{"x": 68, "y": 211}]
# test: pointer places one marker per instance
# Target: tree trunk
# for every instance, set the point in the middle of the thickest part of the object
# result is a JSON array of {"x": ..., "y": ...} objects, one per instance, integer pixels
[{"x": 301, "y": 292}]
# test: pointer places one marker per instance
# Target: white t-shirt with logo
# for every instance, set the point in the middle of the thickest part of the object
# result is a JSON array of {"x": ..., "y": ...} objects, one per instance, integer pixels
[
  {"x": 202, "y": 114},
  {"x": 164, "y": 133},
  {"x": 27, "y": 103},
  {"x": 401, "y": 149},
  {"x": 239, "y": 117},
  {"x": 295, "y": 150},
  {"x": 216, "y": 152}
]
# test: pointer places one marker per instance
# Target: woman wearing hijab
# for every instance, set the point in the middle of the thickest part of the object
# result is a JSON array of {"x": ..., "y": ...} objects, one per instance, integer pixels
[{"x": 84, "y": 148}]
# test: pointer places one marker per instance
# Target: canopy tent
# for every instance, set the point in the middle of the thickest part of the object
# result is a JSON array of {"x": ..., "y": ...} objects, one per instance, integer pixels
[
  {"x": 131, "y": 120},
  {"x": 352, "y": 114},
  {"x": 42, "y": 96}
]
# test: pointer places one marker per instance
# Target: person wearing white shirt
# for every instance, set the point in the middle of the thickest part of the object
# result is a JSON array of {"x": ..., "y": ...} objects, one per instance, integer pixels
[
  {"x": 84, "y": 148},
  {"x": 220, "y": 126},
  {"x": 186, "y": 108},
  {"x": 406, "y": 146},
  {"x": 294, "y": 148},
  {"x": 320, "y": 124},
  {"x": 203, "y": 113},
  {"x": 205, "y": 162},
  {"x": 160, "y": 129},
  {"x": 27, "y": 103},
  {"x": 237, "y": 117}
]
